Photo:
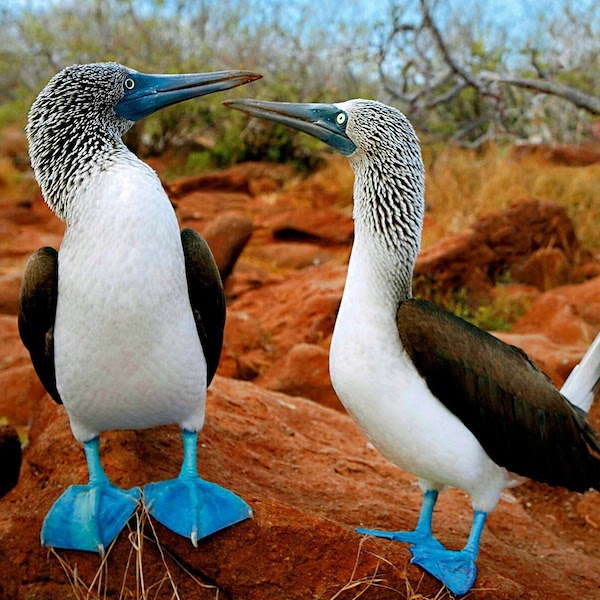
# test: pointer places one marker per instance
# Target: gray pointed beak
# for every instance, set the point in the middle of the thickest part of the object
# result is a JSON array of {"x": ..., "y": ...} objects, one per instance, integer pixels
[
  {"x": 318, "y": 120},
  {"x": 145, "y": 94}
]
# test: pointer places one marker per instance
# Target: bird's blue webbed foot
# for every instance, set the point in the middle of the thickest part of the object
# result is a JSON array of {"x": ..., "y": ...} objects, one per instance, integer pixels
[
  {"x": 455, "y": 569},
  {"x": 422, "y": 533},
  {"x": 190, "y": 506},
  {"x": 89, "y": 517}
]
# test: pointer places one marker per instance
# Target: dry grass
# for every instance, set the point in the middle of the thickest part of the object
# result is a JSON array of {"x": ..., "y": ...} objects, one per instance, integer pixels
[
  {"x": 359, "y": 586},
  {"x": 463, "y": 185},
  {"x": 98, "y": 587}
]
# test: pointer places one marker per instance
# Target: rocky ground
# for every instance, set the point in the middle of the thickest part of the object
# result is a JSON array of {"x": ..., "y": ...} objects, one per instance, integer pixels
[{"x": 275, "y": 431}]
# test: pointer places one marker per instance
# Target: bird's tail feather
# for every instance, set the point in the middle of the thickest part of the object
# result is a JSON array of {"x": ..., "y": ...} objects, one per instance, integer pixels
[{"x": 580, "y": 386}]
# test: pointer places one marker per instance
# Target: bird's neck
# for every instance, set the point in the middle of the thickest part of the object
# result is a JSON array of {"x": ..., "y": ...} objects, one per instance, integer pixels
[
  {"x": 388, "y": 216},
  {"x": 65, "y": 158}
]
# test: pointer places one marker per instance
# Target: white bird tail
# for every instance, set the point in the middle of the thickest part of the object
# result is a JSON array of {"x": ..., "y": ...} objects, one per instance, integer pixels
[{"x": 581, "y": 384}]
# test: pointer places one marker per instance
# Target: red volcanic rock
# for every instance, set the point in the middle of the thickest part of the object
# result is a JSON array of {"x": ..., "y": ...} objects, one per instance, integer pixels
[
  {"x": 298, "y": 309},
  {"x": 197, "y": 209},
  {"x": 221, "y": 181},
  {"x": 474, "y": 258},
  {"x": 546, "y": 268},
  {"x": 20, "y": 216},
  {"x": 567, "y": 315},
  {"x": 558, "y": 327},
  {"x": 458, "y": 261},
  {"x": 245, "y": 345},
  {"x": 244, "y": 278},
  {"x": 24, "y": 241},
  {"x": 20, "y": 388},
  {"x": 585, "y": 271},
  {"x": 303, "y": 371},
  {"x": 12, "y": 351},
  {"x": 21, "y": 394},
  {"x": 560, "y": 154},
  {"x": 323, "y": 225},
  {"x": 290, "y": 255},
  {"x": 310, "y": 478},
  {"x": 307, "y": 472},
  {"x": 246, "y": 178},
  {"x": 10, "y": 284},
  {"x": 227, "y": 235}
]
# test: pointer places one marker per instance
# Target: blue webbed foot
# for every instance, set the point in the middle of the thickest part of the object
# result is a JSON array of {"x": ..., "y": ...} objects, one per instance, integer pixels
[
  {"x": 190, "y": 506},
  {"x": 422, "y": 533},
  {"x": 193, "y": 507},
  {"x": 410, "y": 537},
  {"x": 455, "y": 569},
  {"x": 89, "y": 517}
]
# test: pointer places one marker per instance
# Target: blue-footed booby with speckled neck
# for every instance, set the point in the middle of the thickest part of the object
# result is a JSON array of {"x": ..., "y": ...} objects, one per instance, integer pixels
[
  {"x": 125, "y": 323},
  {"x": 437, "y": 396}
]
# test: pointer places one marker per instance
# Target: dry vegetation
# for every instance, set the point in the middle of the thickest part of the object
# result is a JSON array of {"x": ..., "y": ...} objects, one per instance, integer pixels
[
  {"x": 136, "y": 586},
  {"x": 462, "y": 185}
]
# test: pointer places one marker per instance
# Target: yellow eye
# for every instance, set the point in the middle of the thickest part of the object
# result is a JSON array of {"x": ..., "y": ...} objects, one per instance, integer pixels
[
  {"x": 129, "y": 83},
  {"x": 341, "y": 118}
]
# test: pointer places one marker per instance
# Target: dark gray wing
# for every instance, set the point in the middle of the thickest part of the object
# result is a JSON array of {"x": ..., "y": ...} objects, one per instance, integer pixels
[
  {"x": 207, "y": 297},
  {"x": 10, "y": 459},
  {"x": 513, "y": 409},
  {"x": 37, "y": 310}
]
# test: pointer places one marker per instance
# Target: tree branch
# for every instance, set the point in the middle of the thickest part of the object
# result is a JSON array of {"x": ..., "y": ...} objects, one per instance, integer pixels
[{"x": 575, "y": 96}]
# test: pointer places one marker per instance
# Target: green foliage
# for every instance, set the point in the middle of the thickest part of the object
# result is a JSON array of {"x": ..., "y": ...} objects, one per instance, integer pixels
[
  {"x": 302, "y": 57},
  {"x": 199, "y": 161},
  {"x": 499, "y": 315},
  {"x": 305, "y": 55}
]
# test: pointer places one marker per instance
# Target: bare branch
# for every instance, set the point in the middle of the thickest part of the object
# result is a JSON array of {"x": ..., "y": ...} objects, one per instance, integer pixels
[
  {"x": 448, "y": 58},
  {"x": 533, "y": 59},
  {"x": 575, "y": 96},
  {"x": 445, "y": 97},
  {"x": 472, "y": 126}
]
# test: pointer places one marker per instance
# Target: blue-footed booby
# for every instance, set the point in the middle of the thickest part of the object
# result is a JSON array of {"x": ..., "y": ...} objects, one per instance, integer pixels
[
  {"x": 437, "y": 396},
  {"x": 125, "y": 322}
]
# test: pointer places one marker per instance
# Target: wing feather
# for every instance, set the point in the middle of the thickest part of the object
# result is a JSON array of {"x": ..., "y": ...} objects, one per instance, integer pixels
[
  {"x": 207, "y": 297},
  {"x": 513, "y": 409},
  {"x": 37, "y": 311}
]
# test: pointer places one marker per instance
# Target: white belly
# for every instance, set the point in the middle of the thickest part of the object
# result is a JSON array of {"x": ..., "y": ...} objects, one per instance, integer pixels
[
  {"x": 127, "y": 354},
  {"x": 393, "y": 406}
]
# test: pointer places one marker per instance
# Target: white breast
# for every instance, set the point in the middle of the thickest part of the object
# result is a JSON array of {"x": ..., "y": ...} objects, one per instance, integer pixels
[
  {"x": 127, "y": 353},
  {"x": 381, "y": 389}
]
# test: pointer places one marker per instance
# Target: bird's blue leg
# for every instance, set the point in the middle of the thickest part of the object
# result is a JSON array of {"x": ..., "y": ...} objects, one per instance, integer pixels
[
  {"x": 455, "y": 569},
  {"x": 89, "y": 517},
  {"x": 422, "y": 533},
  {"x": 190, "y": 506}
]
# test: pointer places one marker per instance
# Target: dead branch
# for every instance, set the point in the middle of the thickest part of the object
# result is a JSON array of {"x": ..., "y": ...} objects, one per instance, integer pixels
[{"x": 574, "y": 95}]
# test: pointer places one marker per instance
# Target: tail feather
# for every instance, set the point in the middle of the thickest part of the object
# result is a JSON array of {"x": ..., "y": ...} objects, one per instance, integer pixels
[{"x": 580, "y": 386}]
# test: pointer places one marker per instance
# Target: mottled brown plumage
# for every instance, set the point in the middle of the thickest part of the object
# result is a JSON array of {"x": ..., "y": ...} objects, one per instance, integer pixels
[
  {"x": 37, "y": 299},
  {"x": 513, "y": 409},
  {"x": 207, "y": 297}
]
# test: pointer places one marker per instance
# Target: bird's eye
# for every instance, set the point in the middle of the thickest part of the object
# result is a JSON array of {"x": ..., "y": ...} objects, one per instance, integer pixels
[
  {"x": 341, "y": 118},
  {"x": 129, "y": 83}
]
